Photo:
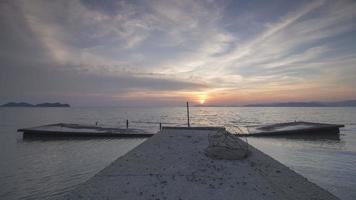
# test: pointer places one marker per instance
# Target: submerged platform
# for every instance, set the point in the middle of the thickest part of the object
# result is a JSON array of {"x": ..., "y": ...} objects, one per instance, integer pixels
[
  {"x": 77, "y": 130},
  {"x": 293, "y": 128},
  {"x": 173, "y": 165}
]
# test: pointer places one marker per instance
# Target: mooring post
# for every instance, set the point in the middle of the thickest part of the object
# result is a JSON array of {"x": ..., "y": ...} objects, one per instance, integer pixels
[
  {"x": 160, "y": 126},
  {"x": 127, "y": 124},
  {"x": 188, "y": 114}
]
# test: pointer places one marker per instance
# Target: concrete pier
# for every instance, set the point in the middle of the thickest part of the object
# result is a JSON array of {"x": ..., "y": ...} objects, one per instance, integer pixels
[
  {"x": 173, "y": 165},
  {"x": 304, "y": 129},
  {"x": 80, "y": 130}
]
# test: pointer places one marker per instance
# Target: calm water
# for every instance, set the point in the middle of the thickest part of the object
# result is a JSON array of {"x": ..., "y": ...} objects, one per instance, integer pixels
[{"x": 43, "y": 169}]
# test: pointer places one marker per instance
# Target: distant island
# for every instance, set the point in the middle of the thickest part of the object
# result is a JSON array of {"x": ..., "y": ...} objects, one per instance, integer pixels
[
  {"x": 347, "y": 103},
  {"x": 24, "y": 104}
]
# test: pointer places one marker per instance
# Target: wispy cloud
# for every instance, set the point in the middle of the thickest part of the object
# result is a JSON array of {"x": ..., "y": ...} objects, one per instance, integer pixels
[
  {"x": 295, "y": 50},
  {"x": 178, "y": 48}
]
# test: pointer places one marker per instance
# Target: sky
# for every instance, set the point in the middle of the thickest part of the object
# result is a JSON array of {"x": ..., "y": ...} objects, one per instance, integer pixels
[{"x": 166, "y": 52}]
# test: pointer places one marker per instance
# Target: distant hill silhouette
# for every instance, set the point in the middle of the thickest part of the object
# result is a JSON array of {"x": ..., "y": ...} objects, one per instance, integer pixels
[
  {"x": 347, "y": 103},
  {"x": 20, "y": 104},
  {"x": 24, "y": 104}
]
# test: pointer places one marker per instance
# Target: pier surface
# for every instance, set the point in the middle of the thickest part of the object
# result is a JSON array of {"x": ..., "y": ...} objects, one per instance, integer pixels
[{"x": 173, "y": 165}]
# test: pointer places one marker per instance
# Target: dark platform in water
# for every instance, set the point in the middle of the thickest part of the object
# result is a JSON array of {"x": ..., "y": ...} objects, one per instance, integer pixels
[
  {"x": 77, "y": 130},
  {"x": 293, "y": 128}
]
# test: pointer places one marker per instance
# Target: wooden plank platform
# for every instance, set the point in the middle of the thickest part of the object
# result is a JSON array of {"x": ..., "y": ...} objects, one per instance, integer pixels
[
  {"x": 78, "y": 130},
  {"x": 293, "y": 128}
]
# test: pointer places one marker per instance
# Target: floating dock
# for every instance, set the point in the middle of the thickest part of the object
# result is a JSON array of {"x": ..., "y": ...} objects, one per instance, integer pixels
[
  {"x": 77, "y": 130},
  {"x": 299, "y": 129},
  {"x": 173, "y": 165},
  {"x": 293, "y": 128}
]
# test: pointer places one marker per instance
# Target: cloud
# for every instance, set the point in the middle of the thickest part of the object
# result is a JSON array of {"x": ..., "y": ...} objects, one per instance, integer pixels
[
  {"x": 44, "y": 84},
  {"x": 76, "y": 53},
  {"x": 279, "y": 53},
  {"x": 175, "y": 48}
]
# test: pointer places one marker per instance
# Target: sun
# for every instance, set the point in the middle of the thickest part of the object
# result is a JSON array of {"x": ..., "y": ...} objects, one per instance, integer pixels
[{"x": 202, "y": 98}]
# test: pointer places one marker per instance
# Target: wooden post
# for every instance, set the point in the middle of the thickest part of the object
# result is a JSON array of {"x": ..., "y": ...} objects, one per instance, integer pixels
[
  {"x": 188, "y": 114},
  {"x": 127, "y": 124},
  {"x": 160, "y": 126}
]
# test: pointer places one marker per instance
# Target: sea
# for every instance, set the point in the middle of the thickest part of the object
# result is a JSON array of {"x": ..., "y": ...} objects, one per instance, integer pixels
[{"x": 45, "y": 168}]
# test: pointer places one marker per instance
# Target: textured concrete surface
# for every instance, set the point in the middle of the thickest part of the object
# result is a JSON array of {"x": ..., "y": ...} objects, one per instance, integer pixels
[
  {"x": 80, "y": 130},
  {"x": 172, "y": 165}
]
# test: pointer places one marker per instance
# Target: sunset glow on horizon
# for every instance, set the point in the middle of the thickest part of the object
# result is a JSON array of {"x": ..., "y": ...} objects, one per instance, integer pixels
[
  {"x": 202, "y": 98},
  {"x": 88, "y": 52}
]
